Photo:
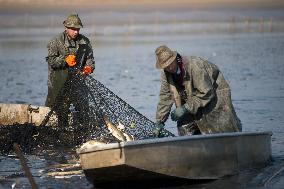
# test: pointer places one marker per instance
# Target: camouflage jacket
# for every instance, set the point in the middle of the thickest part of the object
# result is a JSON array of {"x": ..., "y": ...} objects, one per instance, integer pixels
[
  {"x": 207, "y": 97},
  {"x": 58, "y": 48}
]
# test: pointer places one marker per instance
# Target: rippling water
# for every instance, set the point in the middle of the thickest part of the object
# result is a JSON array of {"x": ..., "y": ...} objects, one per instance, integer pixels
[{"x": 252, "y": 62}]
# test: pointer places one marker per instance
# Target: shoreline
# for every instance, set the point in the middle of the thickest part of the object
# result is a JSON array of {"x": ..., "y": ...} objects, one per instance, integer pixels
[{"x": 128, "y": 5}]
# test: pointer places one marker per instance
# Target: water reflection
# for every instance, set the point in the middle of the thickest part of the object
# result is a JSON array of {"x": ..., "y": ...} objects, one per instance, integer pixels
[{"x": 252, "y": 62}]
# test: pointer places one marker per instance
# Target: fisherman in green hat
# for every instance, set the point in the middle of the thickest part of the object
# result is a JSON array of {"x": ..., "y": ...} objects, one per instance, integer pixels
[
  {"x": 67, "y": 51},
  {"x": 201, "y": 95}
]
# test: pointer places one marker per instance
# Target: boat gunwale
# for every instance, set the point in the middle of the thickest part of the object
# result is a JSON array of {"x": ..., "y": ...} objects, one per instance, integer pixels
[{"x": 120, "y": 145}]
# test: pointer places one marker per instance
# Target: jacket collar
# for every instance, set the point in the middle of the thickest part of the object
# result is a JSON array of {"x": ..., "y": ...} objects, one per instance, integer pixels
[
  {"x": 80, "y": 40},
  {"x": 186, "y": 65}
]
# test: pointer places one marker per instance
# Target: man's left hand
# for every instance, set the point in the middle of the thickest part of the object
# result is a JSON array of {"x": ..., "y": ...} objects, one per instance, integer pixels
[
  {"x": 87, "y": 70},
  {"x": 179, "y": 113}
]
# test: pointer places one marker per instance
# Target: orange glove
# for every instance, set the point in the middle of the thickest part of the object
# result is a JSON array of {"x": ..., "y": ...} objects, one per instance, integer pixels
[
  {"x": 70, "y": 60},
  {"x": 87, "y": 70}
]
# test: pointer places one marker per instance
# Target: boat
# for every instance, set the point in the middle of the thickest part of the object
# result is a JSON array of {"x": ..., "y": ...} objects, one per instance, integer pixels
[
  {"x": 198, "y": 157},
  {"x": 22, "y": 113}
]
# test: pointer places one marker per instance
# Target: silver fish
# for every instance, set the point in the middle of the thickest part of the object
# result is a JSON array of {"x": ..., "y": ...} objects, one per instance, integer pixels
[
  {"x": 90, "y": 144},
  {"x": 113, "y": 130}
]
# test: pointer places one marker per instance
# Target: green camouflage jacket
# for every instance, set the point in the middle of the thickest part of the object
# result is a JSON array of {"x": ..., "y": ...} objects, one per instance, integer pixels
[
  {"x": 207, "y": 97},
  {"x": 58, "y": 48}
]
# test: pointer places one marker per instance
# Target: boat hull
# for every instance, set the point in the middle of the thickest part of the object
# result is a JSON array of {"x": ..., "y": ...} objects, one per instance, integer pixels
[
  {"x": 22, "y": 113},
  {"x": 188, "y": 157}
]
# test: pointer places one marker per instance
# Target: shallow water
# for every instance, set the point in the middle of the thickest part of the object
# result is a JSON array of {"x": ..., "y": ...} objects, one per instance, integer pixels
[{"x": 251, "y": 61}]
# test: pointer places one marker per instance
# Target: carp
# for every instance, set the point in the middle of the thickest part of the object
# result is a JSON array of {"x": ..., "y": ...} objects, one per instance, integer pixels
[
  {"x": 90, "y": 144},
  {"x": 118, "y": 132},
  {"x": 121, "y": 127},
  {"x": 113, "y": 130}
]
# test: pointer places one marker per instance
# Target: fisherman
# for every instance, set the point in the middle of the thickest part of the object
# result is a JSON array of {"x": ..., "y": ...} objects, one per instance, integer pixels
[
  {"x": 68, "y": 52},
  {"x": 200, "y": 92}
]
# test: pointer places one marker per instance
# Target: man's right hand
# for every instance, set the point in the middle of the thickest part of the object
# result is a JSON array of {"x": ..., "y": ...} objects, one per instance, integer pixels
[
  {"x": 158, "y": 128},
  {"x": 70, "y": 60},
  {"x": 179, "y": 113}
]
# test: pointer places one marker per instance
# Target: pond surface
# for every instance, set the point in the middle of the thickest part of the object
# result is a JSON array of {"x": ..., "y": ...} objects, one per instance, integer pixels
[{"x": 250, "y": 56}]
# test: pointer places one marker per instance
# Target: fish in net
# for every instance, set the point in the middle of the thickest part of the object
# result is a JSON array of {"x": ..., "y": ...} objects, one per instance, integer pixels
[
  {"x": 83, "y": 110},
  {"x": 86, "y": 105}
]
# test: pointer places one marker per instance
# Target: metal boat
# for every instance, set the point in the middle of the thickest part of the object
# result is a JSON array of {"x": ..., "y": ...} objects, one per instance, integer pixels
[{"x": 186, "y": 157}]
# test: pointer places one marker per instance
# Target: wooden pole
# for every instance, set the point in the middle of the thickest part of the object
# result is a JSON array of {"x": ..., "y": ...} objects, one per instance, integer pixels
[{"x": 24, "y": 165}]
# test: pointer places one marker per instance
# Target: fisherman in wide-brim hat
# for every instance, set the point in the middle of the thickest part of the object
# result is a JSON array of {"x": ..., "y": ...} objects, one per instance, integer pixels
[{"x": 200, "y": 93}]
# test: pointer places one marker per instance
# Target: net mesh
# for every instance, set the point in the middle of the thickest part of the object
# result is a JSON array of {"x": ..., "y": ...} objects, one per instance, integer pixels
[
  {"x": 79, "y": 114},
  {"x": 84, "y": 102}
]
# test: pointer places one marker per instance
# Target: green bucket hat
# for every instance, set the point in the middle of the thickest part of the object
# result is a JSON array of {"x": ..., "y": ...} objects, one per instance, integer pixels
[{"x": 73, "y": 21}]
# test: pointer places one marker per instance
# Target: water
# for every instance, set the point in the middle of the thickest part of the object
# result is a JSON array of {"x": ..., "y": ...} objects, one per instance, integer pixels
[{"x": 251, "y": 60}]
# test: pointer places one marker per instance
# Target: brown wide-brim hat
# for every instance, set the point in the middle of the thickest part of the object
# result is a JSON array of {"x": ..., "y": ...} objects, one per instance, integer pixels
[{"x": 164, "y": 56}]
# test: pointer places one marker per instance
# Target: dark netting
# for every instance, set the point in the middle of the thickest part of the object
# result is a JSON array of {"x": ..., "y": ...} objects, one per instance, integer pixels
[
  {"x": 33, "y": 139},
  {"x": 84, "y": 102},
  {"x": 82, "y": 111}
]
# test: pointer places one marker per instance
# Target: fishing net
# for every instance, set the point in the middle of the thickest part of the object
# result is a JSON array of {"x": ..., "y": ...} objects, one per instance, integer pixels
[
  {"x": 35, "y": 139},
  {"x": 84, "y": 103},
  {"x": 83, "y": 110}
]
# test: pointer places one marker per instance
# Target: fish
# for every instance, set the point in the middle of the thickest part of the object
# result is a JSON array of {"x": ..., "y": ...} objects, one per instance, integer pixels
[
  {"x": 113, "y": 130},
  {"x": 121, "y": 127},
  {"x": 90, "y": 144},
  {"x": 65, "y": 173},
  {"x": 128, "y": 137},
  {"x": 65, "y": 167}
]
